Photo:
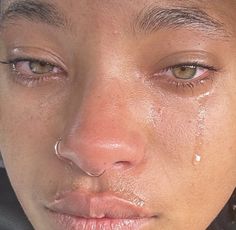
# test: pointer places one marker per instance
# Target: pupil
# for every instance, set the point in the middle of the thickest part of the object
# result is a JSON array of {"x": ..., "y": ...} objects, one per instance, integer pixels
[
  {"x": 42, "y": 64},
  {"x": 40, "y": 67},
  {"x": 183, "y": 69}
]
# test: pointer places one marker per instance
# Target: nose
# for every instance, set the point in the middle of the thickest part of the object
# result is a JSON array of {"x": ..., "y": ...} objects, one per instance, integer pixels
[{"x": 103, "y": 134}]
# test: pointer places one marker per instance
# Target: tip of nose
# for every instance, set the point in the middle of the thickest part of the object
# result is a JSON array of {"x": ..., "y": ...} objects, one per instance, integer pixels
[{"x": 95, "y": 156}]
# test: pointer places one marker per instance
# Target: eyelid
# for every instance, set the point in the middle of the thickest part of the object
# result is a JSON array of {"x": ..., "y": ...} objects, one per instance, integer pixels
[
  {"x": 23, "y": 67},
  {"x": 37, "y": 54},
  {"x": 22, "y": 73},
  {"x": 23, "y": 59},
  {"x": 191, "y": 57},
  {"x": 195, "y": 64},
  {"x": 15, "y": 62},
  {"x": 186, "y": 64},
  {"x": 177, "y": 86}
]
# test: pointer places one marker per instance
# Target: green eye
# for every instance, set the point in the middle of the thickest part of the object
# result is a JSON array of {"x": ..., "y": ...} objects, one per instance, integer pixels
[
  {"x": 40, "y": 67},
  {"x": 184, "y": 72}
]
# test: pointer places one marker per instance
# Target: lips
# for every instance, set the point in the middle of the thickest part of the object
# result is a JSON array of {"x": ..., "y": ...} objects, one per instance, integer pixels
[
  {"x": 88, "y": 205},
  {"x": 95, "y": 211}
]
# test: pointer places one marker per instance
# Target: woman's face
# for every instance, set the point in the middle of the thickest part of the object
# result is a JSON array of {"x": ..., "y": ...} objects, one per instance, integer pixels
[{"x": 140, "y": 91}]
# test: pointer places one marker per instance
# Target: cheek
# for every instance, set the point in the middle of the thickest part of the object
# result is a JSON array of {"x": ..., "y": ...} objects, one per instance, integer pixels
[
  {"x": 171, "y": 126},
  {"x": 215, "y": 177},
  {"x": 173, "y": 131},
  {"x": 180, "y": 129},
  {"x": 29, "y": 125}
]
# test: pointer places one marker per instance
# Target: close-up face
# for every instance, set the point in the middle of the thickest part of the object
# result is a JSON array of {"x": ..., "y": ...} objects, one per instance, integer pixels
[{"x": 119, "y": 114}]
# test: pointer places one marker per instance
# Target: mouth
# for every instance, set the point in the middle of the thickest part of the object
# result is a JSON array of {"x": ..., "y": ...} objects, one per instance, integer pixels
[{"x": 103, "y": 211}]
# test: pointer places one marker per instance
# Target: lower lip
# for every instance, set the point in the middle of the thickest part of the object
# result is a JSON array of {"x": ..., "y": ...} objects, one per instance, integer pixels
[{"x": 67, "y": 222}]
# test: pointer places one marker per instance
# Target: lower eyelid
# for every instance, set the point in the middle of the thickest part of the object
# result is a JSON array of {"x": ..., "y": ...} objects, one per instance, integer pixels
[
  {"x": 32, "y": 81},
  {"x": 205, "y": 78},
  {"x": 187, "y": 88},
  {"x": 22, "y": 75}
]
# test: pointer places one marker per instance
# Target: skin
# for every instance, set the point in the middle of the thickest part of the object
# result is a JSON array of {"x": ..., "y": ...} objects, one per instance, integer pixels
[{"x": 115, "y": 115}]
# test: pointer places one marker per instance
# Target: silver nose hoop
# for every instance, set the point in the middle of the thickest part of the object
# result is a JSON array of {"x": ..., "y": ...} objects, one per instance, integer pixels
[
  {"x": 57, "y": 152},
  {"x": 56, "y": 147}
]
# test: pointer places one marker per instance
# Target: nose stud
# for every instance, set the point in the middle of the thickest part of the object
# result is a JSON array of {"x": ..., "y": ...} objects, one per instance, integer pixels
[{"x": 57, "y": 152}]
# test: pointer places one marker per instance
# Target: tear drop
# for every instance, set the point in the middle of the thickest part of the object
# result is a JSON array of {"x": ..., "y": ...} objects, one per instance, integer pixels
[
  {"x": 200, "y": 129},
  {"x": 197, "y": 159}
]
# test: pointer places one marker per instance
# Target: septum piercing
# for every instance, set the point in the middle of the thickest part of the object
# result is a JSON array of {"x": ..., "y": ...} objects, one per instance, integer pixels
[{"x": 57, "y": 152}]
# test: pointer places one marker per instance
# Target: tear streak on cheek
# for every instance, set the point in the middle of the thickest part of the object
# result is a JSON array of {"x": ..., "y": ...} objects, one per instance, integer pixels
[{"x": 200, "y": 129}]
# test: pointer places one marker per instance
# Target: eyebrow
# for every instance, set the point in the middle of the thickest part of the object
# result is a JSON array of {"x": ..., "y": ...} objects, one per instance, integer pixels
[
  {"x": 149, "y": 20},
  {"x": 154, "y": 18},
  {"x": 34, "y": 10}
]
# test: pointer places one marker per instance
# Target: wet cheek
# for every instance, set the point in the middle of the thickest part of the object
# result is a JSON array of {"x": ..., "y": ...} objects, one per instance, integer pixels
[
  {"x": 171, "y": 128},
  {"x": 215, "y": 177},
  {"x": 170, "y": 125}
]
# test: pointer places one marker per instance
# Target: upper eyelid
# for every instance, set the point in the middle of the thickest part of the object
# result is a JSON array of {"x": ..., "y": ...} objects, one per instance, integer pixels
[
  {"x": 165, "y": 71},
  {"x": 17, "y": 60},
  {"x": 194, "y": 64},
  {"x": 28, "y": 59}
]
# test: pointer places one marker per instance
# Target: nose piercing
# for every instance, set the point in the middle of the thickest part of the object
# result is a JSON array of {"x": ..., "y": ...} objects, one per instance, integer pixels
[
  {"x": 94, "y": 174},
  {"x": 57, "y": 152},
  {"x": 56, "y": 147}
]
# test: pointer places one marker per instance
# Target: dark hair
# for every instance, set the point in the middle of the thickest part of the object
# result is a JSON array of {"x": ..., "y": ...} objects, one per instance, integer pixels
[{"x": 226, "y": 220}]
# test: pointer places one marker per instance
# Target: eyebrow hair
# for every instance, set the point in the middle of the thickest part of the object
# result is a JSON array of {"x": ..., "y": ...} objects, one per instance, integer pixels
[
  {"x": 154, "y": 18},
  {"x": 34, "y": 10}
]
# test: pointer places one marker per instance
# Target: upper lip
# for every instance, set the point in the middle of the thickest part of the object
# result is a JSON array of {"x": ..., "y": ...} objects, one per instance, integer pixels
[{"x": 93, "y": 205}]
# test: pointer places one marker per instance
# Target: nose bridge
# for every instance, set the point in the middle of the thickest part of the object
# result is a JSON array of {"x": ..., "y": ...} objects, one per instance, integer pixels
[
  {"x": 101, "y": 118},
  {"x": 102, "y": 134}
]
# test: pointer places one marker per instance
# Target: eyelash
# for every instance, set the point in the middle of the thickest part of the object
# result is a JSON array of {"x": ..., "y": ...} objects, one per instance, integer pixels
[
  {"x": 34, "y": 80},
  {"x": 189, "y": 83}
]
